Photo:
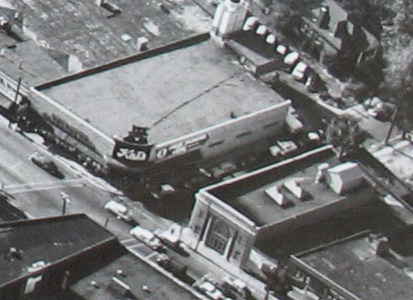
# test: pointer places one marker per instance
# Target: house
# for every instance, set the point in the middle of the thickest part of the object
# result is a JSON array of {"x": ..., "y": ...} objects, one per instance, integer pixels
[{"x": 336, "y": 33}]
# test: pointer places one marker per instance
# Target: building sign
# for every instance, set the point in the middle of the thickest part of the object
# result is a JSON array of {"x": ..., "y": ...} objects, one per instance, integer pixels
[
  {"x": 131, "y": 153},
  {"x": 181, "y": 147}
]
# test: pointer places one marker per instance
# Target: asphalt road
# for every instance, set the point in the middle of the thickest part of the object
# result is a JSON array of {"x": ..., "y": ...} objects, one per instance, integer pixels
[{"x": 38, "y": 193}]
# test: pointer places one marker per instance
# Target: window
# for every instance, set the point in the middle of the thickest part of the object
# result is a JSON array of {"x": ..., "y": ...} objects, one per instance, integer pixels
[
  {"x": 218, "y": 236},
  {"x": 270, "y": 125},
  {"x": 217, "y": 143},
  {"x": 243, "y": 134},
  {"x": 197, "y": 229}
]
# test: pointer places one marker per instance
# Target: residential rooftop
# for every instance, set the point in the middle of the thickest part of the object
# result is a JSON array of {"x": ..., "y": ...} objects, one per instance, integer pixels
[
  {"x": 354, "y": 265},
  {"x": 96, "y": 35},
  {"x": 136, "y": 274},
  {"x": 337, "y": 14},
  {"x": 249, "y": 195},
  {"x": 49, "y": 240},
  {"x": 173, "y": 93}
]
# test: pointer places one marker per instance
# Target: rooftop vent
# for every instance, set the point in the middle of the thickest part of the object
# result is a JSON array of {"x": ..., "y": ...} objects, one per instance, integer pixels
[
  {"x": 278, "y": 197},
  {"x": 344, "y": 177},
  {"x": 293, "y": 186},
  {"x": 13, "y": 254},
  {"x": 142, "y": 43}
]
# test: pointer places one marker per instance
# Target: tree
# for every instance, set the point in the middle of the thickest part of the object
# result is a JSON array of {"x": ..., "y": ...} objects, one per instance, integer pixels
[
  {"x": 399, "y": 80},
  {"x": 345, "y": 135}
]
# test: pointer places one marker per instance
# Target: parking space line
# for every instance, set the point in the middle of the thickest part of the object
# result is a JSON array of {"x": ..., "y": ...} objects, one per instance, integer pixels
[
  {"x": 151, "y": 255},
  {"x": 136, "y": 246},
  {"x": 126, "y": 241}
]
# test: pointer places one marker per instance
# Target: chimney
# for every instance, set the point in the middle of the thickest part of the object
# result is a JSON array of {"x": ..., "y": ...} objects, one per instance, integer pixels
[
  {"x": 323, "y": 18},
  {"x": 320, "y": 177},
  {"x": 229, "y": 17},
  {"x": 142, "y": 43}
]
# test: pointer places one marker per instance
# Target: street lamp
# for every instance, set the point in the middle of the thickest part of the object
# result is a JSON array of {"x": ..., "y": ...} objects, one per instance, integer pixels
[{"x": 66, "y": 201}]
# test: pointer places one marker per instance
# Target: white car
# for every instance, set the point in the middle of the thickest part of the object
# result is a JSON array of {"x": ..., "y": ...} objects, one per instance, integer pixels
[
  {"x": 209, "y": 289},
  {"x": 119, "y": 210},
  {"x": 300, "y": 71},
  {"x": 291, "y": 58},
  {"x": 147, "y": 237}
]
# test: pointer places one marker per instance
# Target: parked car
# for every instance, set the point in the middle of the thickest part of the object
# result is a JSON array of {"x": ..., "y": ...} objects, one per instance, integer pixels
[
  {"x": 251, "y": 24},
  {"x": 119, "y": 210},
  {"x": 147, "y": 237},
  {"x": 209, "y": 289},
  {"x": 235, "y": 288},
  {"x": 46, "y": 164},
  {"x": 168, "y": 264},
  {"x": 300, "y": 71},
  {"x": 290, "y": 60},
  {"x": 173, "y": 242}
]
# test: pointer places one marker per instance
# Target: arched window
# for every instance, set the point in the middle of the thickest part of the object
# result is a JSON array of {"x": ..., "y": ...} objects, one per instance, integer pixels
[{"x": 218, "y": 236}]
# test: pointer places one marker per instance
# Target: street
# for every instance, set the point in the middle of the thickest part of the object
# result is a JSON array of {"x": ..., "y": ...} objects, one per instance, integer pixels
[{"x": 39, "y": 194}]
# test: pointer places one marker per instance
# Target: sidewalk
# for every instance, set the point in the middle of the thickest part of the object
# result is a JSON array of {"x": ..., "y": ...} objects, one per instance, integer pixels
[{"x": 201, "y": 265}]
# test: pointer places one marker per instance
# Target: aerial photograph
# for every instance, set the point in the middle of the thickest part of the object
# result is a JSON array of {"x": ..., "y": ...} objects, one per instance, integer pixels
[{"x": 206, "y": 149}]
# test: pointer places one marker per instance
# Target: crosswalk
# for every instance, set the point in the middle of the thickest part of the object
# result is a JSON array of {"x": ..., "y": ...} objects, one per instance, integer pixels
[{"x": 42, "y": 186}]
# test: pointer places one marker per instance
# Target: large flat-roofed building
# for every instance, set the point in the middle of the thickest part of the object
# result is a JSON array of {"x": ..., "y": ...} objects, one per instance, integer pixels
[
  {"x": 183, "y": 103},
  {"x": 231, "y": 220},
  {"x": 90, "y": 33}
]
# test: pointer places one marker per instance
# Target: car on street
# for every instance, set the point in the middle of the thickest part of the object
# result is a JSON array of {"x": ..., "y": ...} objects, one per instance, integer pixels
[
  {"x": 147, "y": 237},
  {"x": 236, "y": 288},
  {"x": 210, "y": 289},
  {"x": 170, "y": 265},
  {"x": 46, "y": 164},
  {"x": 119, "y": 210}
]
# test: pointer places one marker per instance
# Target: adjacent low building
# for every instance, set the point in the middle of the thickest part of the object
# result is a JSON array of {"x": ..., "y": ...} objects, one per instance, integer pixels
[
  {"x": 364, "y": 266},
  {"x": 72, "y": 257},
  {"x": 231, "y": 220},
  {"x": 41, "y": 257}
]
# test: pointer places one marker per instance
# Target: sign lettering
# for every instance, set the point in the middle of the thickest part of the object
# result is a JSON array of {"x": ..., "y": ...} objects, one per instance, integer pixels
[{"x": 131, "y": 154}]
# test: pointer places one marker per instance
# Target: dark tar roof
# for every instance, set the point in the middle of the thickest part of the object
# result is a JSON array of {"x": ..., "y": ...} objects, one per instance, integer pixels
[
  {"x": 136, "y": 274},
  {"x": 96, "y": 36},
  {"x": 354, "y": 265},
  {"x": 173, "y": 93},
  {"x": 50, "y": 240}
]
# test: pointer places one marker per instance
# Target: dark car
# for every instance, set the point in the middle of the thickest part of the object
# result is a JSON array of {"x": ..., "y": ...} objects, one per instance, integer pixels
[
  {"x": 178, "y": 269},
  {"x": 46, "y": 164}
]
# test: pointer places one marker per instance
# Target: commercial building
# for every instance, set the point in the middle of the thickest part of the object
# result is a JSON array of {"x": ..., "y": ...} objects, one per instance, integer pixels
[
  {"x": 161, "y": 108},
  {"x": 363, "y": 266},
  {"x": 41, "y": 257},
  {"x": 72, "y": 257},
  {"x": 233, "y": 221},
  {"x": 180, "y": 101},
  {"x": 129, "y": 278}
]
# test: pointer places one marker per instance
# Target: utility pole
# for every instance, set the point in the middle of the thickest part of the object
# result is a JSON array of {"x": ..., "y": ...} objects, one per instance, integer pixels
[{"x": 16, "y": 97}]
